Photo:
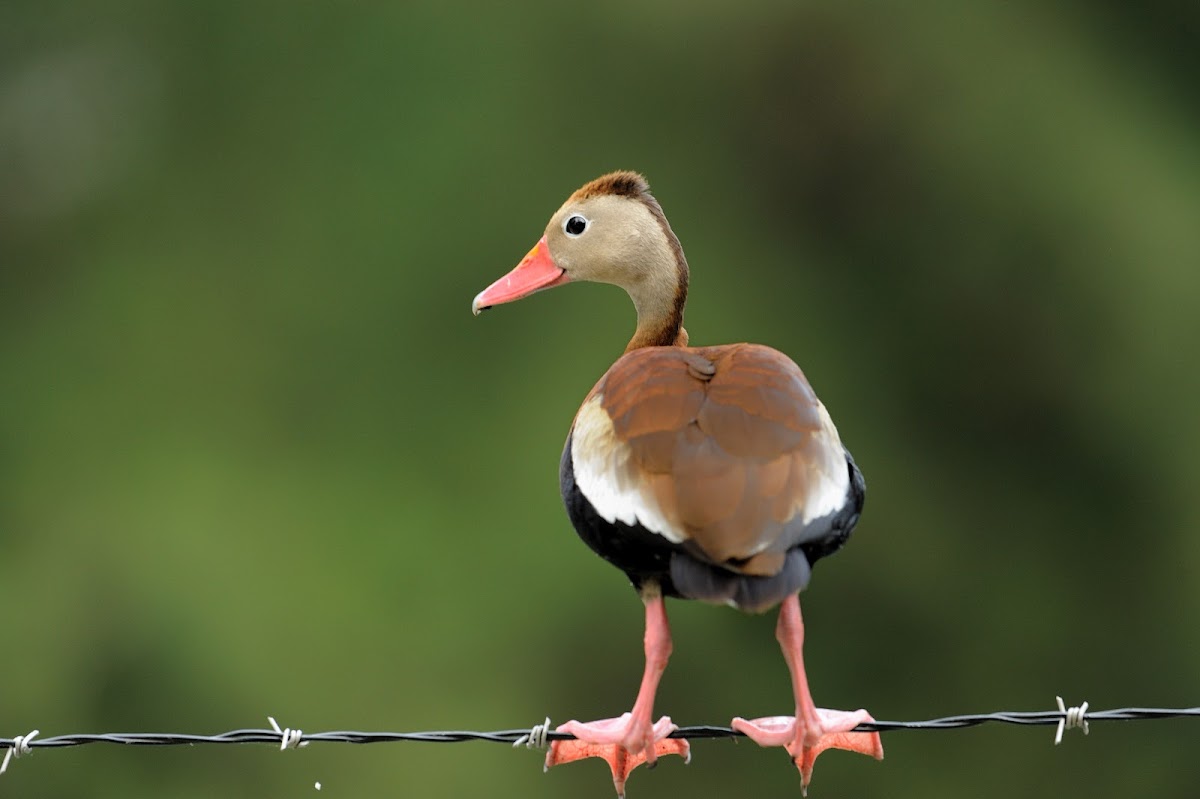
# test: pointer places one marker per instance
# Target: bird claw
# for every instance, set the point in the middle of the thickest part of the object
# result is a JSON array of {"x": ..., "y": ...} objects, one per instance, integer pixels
[
  {"x": 804, "y": 745},
  {"x": 621, "y": 742}
]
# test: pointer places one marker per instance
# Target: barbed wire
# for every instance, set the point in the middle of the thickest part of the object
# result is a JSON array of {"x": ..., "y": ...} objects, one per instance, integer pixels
[{"x": 540, "y": 734}]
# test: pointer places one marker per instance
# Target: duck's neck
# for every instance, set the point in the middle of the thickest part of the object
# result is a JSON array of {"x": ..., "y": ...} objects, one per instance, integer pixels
[
  {"x": 659, "y": 295},
  {"x": 659, "y": 326}
]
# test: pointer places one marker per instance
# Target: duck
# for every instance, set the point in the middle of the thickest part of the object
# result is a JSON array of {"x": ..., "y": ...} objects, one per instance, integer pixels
[{"x": 708, "y": 473}]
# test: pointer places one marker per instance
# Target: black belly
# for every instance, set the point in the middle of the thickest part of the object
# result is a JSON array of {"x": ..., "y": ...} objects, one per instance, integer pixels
[{"x": 646, "y": 557}]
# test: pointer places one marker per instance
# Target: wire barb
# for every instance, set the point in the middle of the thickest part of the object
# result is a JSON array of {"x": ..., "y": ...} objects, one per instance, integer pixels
[
  {"x": 536, "y": 738},
  {"x": 288, "y": 738},
  {"x": 19, "y": 748},
  {"x": 1072, "y": 718}
]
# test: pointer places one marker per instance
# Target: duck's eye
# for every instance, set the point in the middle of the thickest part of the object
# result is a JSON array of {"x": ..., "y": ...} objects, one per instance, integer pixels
[{"x": 575, "y": 225}]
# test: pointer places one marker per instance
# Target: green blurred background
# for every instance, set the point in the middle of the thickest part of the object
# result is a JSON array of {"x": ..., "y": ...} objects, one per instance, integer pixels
[{"x": 257, "y": 457}]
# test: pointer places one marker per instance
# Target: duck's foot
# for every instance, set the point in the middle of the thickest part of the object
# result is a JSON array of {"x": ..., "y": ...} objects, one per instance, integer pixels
[
  {"x": 624, "y": 743},
  {"x": 805, "y": 742}
]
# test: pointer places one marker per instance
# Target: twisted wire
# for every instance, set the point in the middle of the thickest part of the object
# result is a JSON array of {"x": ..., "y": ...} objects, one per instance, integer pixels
[{"x": 289, "y": 738}]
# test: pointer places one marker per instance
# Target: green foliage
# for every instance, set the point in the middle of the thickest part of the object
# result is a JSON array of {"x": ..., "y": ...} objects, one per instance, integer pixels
[{"x": 257, "y": 457}]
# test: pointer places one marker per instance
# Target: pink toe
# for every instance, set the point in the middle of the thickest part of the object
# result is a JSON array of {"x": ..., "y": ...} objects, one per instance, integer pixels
[
  {"x": 767, "y": 731},
  {"x": 603, "y": 731},
  {"x": 842, "y": 720}
]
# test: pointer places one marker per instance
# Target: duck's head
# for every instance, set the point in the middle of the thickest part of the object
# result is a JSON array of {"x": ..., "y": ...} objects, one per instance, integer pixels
[{"x": 611, "y": 230}]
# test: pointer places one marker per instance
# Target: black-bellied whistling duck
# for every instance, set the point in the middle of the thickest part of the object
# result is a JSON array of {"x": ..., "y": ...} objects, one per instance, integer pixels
[{"x": 710, "y": 473}]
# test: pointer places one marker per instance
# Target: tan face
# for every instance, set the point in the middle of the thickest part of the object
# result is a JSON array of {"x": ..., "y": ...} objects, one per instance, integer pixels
[
  {"x": 603, "y": 238},
  {"x": 607, "y": 239}
]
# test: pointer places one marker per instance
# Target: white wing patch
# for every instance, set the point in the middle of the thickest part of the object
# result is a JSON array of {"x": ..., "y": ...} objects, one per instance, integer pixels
[
  {"x": 830, "y": 479},
  {"x": 606, "y": 477}
]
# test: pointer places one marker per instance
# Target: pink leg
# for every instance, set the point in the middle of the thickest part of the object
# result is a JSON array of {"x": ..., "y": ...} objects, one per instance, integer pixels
[
  {"x": 812, "y": 730},
  {"x": 630, "y": 740}
]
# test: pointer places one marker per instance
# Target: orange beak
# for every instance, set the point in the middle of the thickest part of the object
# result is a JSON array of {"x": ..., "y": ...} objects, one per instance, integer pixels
[{"x": 536, "y": 271}]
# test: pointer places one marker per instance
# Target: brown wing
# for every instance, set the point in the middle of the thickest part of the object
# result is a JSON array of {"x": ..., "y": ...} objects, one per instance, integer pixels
[{"x": 728, "y": 447}]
